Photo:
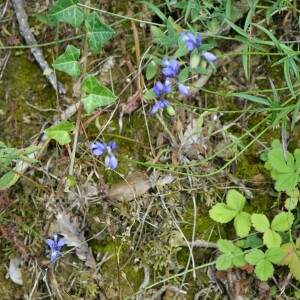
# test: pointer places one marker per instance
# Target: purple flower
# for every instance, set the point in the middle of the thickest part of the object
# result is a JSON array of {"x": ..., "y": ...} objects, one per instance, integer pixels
[
  {"x": 209, "y": 56},
  {"x": 55, "y": 246},
  {"x": 110, "y": 159},
  {"x": 160, "y": 89},
  {"x": 171, "y": 68},
  {"x": 98, "y": 148},
  {"x": 159, "y": 105},
  {"x": 191, "y": 40},
  {"x": 183, "y": 89}
]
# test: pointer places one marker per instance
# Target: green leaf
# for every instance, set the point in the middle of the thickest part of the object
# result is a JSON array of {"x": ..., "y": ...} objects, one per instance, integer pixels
[
  {"x": 8, "y": 180},
  {"x": 264, "y": 269},
  {"x": 235, "y": 200},
  {"x": 254, "y": 256},
  {"x": 253, "y": 241},
  {"x": 224, "y": 261},
  {"x": 222, "y": 213},
  {"x": 151, "y": 69},
  {"x": 286, "y": 181},
  {"x": 272, "y": 239},
  {"x": 60, "y": 132},
  {"x": 260, "y": 222},
  {"x": 282, "y": 221},
  {"x": 251, "y": 98},
  {"x": 238, "y": 257},
  {"x": 98, "y": 95},
  {"x": 277, "y": 161},
  {"x": 242, "y": 224},
  {"x": 149, "y": 95},
  {"x": 236, "y": 28},
  {"x": 99, "y": 32},
  {"x": 183, "y": 74},
  {"x": 225, "y": 246},
  {"x": 67, "y": 11},
  {"x": 68, "y": 63},
  {"x": 274, "y": 255}
]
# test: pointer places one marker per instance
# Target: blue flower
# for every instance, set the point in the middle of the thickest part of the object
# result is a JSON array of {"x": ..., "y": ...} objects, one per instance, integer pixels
[
  {"x": 171, "y": 68},
  {"x": 209, "y": 56},
  {"x": 110, "y": 159},
  {"x": 183, "y": 89},
  {"x": 160, "y": 89},
  {"x": 98, "y": 148},
  {"x": 55, "y": 246},
  {"x": 191, "y": 41},
  {"x": 159, "y": 105}
]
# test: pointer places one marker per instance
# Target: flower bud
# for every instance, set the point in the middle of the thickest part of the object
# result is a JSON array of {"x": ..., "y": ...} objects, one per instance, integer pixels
[{"x": 170, "y": 110}]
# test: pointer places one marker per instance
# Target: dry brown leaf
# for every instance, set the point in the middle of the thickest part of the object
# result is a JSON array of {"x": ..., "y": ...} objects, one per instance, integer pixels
[
  {"x": 69, "y": 228},
  {"x": 135, "y": 185}
]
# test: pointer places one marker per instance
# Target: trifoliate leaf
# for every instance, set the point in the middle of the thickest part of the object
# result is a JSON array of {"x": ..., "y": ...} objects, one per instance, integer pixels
[
  {"x": 222, "y": 213},
  {"x": 225, "y": 246},
  {"x": 98, "y": 95},
  {"x": 235, "y": 200},
  {"x": 67, "y": 11},
  {"x": 224, "y": 261},
  {"x": 238, "y": 257},
  {"x": 242, "y": 224},
  {"x": 99, "y": 32},
  {"x": 68, "y": 63},
  {"x": 274, "y": 255},
  {"x": 60, "y": 132},
  {"x": 286, "y": 181},
  {"x": 253, "y": 241},
  {"x": 272, "y": 239},
  {"x": 282, "y": 221},
  {"x": 260, "y": 222},
  {"x": 264, "y": 269},
  {"x": 254, "y": 256}
]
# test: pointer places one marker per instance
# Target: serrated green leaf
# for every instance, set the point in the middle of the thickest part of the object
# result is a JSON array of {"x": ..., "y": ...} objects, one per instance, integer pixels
[
  {"x": 277, "y": 161},
  {"x": 225, "y": 246},
  {"x": 253, "y": 241},
  {"x": 8, "y": 180},
  {"x": 222, "y": 213},
  {"x": 98, "y": 95},
  {"x": 272, "y": 239},
  {"x": 242, "y": 224},
  {"x": 238, "y": 257},
  {"x": 286, "y": 181},
  {"x": 68, "y": 63},
  {"x": 67, "y": 11},
  {"x": 235, "y": 200},
  {"x": 224, "y": 261},
  {"x": 282, "y": 221},
  {"x": 260, "y": 222},
  {"x": 151, "y": 69},
  {"x": 264, "y": 269},
  {"x": 157, "y": 32},
  {"x": 254, "y": 256},
  {"x": 274, "y": 255},
  {"x": 60, "y": 132},
  {"x": 99, "y": 32}
]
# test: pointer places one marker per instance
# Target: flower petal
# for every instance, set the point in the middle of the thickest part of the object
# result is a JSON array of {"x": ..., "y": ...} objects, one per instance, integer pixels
[
  {"x": 183, "y": 89},
  {"x": 209, "y": 56},
  {"x": 50, "y": 243}
]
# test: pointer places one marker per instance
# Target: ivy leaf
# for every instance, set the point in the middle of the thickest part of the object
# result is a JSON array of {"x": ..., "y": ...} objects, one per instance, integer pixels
[
  {"x": 260, "y": 222},
  {"x": 68, "y": 63},
  {"x": 67, "y": 11},
  {"x": 282, "y": 221},
  {"x": 98, "y": 95},
  {"x": 60, "y": 132},
  {"x": 235, "y": 200},
  {"x": 222, "y": 213},
  {"x": 242, "y": 224},
  {"x": 98, "y": 32},
  {"x": 272, "y": 239}
]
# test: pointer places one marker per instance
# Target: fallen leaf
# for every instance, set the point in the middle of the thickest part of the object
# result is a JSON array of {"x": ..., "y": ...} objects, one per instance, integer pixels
[{"x": 69, "y": 228}]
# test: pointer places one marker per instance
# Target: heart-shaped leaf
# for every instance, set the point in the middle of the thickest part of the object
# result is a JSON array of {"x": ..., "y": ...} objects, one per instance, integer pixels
[
  {"x": 68, "y": 63},
  {"x": 99, "y": 32},
  {"x": 98, "y": 95},
  {"x": 67, "y": 11},
  {"x": 60, "y": 132}
]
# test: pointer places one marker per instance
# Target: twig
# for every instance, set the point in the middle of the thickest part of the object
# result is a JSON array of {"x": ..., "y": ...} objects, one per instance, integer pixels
[
  {"x": 30, "y": 40},
  {"x": 200, "y": 243},
  {"x": 145, "y": 282},
  {"x": 167, "y": 287}
]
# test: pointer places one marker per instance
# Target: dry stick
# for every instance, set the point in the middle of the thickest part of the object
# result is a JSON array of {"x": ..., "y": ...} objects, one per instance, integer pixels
[{"x": 30, "y": 40}]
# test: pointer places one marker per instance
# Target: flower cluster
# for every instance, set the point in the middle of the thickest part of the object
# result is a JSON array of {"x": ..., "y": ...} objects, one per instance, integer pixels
[
  {"x": 110, "y": 159},
  {"x": 55, "y": 246},
  {"x": 194, "y": 41}
]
